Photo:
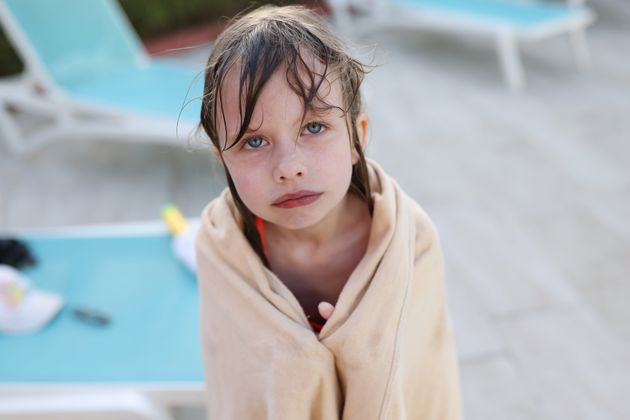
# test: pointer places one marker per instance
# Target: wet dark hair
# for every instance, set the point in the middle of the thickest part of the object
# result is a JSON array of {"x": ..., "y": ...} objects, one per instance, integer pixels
[{"x": 260, "y": 43}]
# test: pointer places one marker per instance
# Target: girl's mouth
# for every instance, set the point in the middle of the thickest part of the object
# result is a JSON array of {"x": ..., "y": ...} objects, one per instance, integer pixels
[{"x": 297, "y": 199}]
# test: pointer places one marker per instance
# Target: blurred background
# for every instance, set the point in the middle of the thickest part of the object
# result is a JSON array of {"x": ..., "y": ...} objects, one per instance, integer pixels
[{"x": 526, "y": 177}]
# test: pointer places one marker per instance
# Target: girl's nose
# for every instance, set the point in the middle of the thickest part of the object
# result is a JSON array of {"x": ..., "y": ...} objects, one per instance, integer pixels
[{"x": 289, "y": 169}]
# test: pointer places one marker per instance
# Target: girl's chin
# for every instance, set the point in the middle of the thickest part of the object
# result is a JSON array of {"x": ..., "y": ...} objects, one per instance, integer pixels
[
  {"x": 297, "y": 219},
  {"x": 295, "y": 224}
]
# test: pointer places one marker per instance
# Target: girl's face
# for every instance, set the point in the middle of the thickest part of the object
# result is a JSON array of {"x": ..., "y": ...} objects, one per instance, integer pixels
[{"x": 288, "y": 172}]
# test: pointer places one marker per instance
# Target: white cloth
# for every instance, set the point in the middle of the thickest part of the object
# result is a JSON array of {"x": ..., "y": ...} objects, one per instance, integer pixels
[{"x": 23, "y": 308}]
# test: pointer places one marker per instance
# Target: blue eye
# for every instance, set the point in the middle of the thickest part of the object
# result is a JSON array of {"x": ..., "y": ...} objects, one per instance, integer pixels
[
  {"x": 314, "y": 128},
  {"x": 254, "y": 143}
]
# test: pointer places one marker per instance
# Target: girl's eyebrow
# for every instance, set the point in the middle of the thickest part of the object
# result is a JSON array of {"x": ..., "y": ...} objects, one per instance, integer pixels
[{"x": 321, "y": 112}]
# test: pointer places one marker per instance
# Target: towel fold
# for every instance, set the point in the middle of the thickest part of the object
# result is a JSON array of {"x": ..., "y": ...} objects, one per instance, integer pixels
[{"x": 387, "y": 351}]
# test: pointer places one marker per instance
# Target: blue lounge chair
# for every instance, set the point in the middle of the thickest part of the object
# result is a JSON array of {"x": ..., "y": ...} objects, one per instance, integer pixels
[
  {"x": 87, "y": 76},
  {"x": 508, "y": 21}
]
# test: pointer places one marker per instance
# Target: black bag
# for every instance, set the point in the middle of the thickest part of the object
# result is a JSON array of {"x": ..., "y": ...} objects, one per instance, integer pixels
[{"x": 15, "y": 253}]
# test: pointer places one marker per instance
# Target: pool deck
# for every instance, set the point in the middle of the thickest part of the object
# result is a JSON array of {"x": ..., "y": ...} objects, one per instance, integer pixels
[{"x": 530, "y": 192}]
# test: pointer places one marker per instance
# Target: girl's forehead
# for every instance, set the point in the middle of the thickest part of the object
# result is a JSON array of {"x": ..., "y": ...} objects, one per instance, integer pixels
[
  {"x": 277, "y": 95},
  {"x": 232, "y": 86}
]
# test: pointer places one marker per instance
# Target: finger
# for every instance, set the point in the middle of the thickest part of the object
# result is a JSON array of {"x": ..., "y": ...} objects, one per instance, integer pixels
[{"x": 325, "y": 309}]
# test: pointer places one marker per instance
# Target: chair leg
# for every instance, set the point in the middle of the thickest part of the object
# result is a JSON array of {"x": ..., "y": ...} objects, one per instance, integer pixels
[
  {"x": 510, "y": 60},
  {"x": 579, "y": 46},
  {"x": 10, "y": 132},
  {"x": 23, "y": 139}
]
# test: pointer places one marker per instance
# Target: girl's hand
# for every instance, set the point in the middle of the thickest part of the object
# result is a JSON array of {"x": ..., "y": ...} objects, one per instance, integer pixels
[{"x": 325, "y": 309}]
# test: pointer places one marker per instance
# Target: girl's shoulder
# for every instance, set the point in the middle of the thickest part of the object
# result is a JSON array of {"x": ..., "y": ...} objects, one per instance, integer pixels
[
  {"x": 396, "y": 203},
  {"x": 426, "y": 233},
  {"x": 221, "y": 211},
  {"x": 221, "y": 226}
]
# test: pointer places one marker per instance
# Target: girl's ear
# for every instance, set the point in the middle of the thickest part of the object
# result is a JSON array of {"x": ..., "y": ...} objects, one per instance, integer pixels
[{"x": 362, "y": 125}]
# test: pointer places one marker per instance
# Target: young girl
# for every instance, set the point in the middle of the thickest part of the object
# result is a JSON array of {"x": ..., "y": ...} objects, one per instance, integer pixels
[{"x": 321, "y": 282}]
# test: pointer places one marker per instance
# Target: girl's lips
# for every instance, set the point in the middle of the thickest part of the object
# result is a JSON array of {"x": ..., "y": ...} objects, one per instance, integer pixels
[{"x": 298, "y": 199}]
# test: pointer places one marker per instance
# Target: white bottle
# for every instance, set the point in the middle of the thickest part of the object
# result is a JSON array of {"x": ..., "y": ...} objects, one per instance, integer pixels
[{"x": 184, "y": 236}]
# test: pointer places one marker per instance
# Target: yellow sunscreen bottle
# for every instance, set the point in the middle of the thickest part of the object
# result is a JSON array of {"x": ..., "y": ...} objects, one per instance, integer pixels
[
  {"x": 183, "y": 236},
  {"x": 174, "y": 219}
]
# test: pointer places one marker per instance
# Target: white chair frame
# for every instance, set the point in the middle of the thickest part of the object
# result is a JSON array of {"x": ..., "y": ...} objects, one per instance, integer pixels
[{"x": 383, "y": 14}]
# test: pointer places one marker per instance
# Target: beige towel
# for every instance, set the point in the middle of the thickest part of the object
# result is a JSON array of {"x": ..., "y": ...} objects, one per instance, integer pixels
[{"x": 387, "y": 352}]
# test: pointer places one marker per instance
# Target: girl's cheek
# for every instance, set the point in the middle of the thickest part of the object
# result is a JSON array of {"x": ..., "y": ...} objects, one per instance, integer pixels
[{"x": 249, "y": 183}]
